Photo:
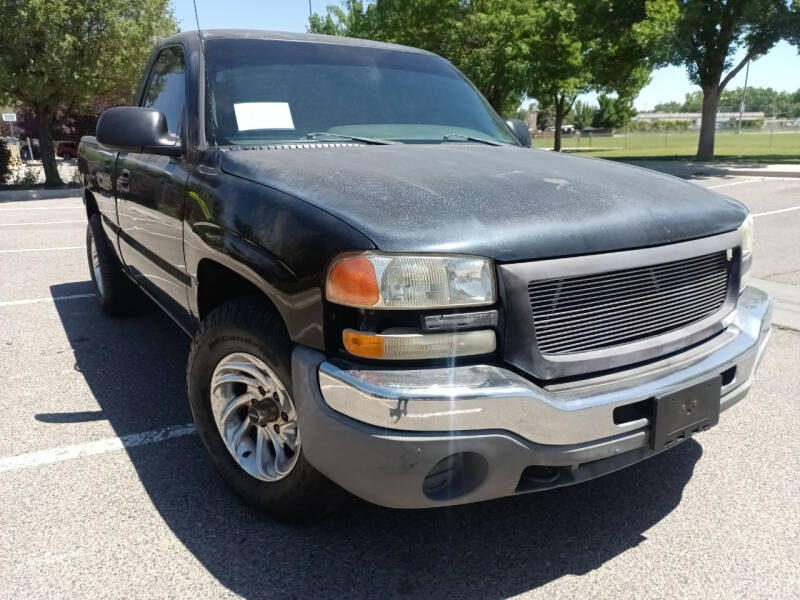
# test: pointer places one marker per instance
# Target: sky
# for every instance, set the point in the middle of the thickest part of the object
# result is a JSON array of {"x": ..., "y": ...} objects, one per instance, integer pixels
[{"x": 779, "y": 69}]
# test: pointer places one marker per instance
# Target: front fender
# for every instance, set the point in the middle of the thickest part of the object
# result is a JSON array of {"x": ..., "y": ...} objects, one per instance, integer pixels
[{"x": 279, "y": 243}]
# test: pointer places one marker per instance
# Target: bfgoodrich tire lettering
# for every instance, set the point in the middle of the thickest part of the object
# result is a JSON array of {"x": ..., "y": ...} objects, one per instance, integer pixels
[{"x": 249, "y": 328}]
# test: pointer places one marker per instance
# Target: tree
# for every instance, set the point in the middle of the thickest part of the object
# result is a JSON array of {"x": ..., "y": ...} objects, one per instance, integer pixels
[
  {"x": 793, "y": 26},
  {"x": 772, "y": 103},
  {"x": 72, "y": 125},
  {"x": 5, "y": 161},
  {"x": 692, "y": 102},
  {"x": 545, "y": 117},
  {"x": 486, "y": 39},
  {"x": 60, "y": 55},
  {"x": 672, "y": 106},
  {"x": 613, "y": 113},
  {"x": 782, "y": 105},
  {"x": 603, "y": 45},
  {"x": 582, "y": 115},
  {"x": 708, "y": 35},
  {"x": 350, "y": 19},
  {"x": 522, "y": 112}
]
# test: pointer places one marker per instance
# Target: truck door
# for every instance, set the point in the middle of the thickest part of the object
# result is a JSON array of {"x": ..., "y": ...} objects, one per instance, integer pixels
[{"x": 151, "y": 191}]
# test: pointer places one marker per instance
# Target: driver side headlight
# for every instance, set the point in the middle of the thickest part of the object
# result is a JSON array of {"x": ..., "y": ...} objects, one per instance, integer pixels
[
  {"x": 748, "y": 239},
  {"x": 408, "y": 281}
]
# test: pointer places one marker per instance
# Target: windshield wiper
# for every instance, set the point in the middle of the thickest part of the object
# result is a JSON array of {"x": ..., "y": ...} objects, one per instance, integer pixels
[
  {"x": 449, "y": 137},
  {"x": 363, "y": 140}
]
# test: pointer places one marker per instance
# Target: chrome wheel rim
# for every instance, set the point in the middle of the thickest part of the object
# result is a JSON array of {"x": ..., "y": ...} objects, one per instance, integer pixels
[
  {"x": 98, "y": 274},
  {"x": 255, "y": 416}
]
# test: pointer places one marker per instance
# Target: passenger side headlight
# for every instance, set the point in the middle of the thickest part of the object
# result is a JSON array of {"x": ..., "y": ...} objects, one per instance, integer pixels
[
  {"x": 748, "y": 235},
  {"x": 406, "y": 281},
  {"x": 748, "y": 239}
]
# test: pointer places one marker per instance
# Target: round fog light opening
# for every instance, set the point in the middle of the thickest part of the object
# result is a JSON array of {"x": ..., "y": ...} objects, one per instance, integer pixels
[{"x": 455, "y": 476}]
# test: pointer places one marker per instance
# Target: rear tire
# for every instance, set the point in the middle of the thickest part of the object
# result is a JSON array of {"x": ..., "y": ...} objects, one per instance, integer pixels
[
  {"x": 245, "y": 340},
  {"x": 115, "y": 292}
]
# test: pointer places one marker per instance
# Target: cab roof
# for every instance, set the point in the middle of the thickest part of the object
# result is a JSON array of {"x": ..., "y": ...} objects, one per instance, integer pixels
[{"x": 256, "y": 34}]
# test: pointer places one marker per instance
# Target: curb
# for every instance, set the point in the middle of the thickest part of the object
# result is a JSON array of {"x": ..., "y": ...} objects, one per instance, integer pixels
[
  {"x": 768, "y": 174},
  {"x": 786, "y": 313},
  {"x": 690, "y": 170},
  {"x": 39, "y": 194}
]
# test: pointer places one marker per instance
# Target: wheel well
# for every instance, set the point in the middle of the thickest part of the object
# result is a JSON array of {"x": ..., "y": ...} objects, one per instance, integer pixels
[
  {"x": 90, "y": 202},
  {"x": 217, "y": 284}
]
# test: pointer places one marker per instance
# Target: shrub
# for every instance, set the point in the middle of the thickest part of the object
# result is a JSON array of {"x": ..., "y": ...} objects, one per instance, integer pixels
[
  {"x": 754, "y": 124},
  {"x": 658, "y": 125}
]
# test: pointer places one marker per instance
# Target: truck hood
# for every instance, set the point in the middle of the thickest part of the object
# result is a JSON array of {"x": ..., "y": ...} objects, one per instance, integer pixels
[{"x": 506, "y": 203}]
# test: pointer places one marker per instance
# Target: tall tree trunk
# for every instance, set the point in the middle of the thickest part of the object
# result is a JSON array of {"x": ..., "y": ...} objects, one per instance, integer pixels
[
  {"x": 46, "y": 150},
  {"x": 559, "y": 106},
  {"x": 708, "y": 126}
]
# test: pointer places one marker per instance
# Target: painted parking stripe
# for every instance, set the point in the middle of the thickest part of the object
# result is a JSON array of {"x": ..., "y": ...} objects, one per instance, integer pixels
[
  {"x": 775, "y": 212},
  {"x": 40, "y": 300},
  {"x": 722, "y": 185},
  {"x": 43, "y": 249},
  {"x": 9, "y": 209},
  {"x": 46, "y": 457},
  {"x": 42, "y": 223}
]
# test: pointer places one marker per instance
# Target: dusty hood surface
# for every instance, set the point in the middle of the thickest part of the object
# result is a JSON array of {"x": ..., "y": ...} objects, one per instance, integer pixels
[{"x": 506, "y": 203}]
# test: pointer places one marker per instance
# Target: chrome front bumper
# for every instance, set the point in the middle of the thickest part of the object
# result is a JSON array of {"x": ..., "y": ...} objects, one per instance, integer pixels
[{"x": 486, "y": 397}]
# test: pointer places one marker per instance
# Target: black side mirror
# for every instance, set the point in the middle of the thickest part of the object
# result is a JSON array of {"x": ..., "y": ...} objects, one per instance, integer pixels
[
  {"x": 520, "y": 131},
  {"x": 136, "y": 129}
]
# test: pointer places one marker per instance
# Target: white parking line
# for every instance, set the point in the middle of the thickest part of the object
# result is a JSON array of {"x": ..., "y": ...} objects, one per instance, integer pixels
[
  {"x": 49, "y": 299},
  {"x": 6, "y": 209},
  {"x": 45, "y": 457},
  {"x": 722, "y": 185},
  {"x": 42, "y": 223},
  {"x": 775, "y": 212},
  {"x": 43, "y": 249}
]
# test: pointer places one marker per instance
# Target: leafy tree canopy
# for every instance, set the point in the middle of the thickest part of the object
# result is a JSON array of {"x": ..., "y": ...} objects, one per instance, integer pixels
[
  {"x": 582, "y": 115},
  {"x": 551, "y": 50},
  {"x": 707, "y": 37},
  {"x": 781, "y": 105},
  {"x": 671, "y": 106},
  {"x": 613, "y": 113},
  {"x": 58, "y": 56},
  {"x": 486, "y": 39},
  {"x": 603, "y": 45}
]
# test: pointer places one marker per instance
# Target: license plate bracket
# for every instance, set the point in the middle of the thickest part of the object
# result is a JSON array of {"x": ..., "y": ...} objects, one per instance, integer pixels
[{"x": 683, "y": 413}]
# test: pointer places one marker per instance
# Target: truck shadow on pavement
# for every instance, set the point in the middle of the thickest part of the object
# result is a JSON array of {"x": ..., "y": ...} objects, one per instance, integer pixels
[{"x": 135, "y": 369}]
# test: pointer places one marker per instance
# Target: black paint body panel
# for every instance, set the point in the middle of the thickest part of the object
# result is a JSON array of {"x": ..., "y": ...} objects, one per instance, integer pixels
[
  {"x": 276, "y": 216},
  {"x": 280, "y": 243},
  {"x": 507, "y": 203}
]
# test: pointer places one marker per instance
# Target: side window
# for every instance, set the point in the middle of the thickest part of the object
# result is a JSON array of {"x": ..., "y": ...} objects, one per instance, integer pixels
[{"x": 166, "y": 90}]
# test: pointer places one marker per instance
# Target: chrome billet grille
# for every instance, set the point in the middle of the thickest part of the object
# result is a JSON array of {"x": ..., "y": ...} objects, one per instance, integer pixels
[{"x": 591, "y": 312}]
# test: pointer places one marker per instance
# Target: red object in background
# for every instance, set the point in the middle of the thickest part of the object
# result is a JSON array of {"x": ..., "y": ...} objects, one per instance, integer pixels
[{"x": 67, "y": 150}]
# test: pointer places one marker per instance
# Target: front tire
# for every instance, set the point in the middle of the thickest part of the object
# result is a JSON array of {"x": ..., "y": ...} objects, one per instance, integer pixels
[{"x": 240, "y": 392}]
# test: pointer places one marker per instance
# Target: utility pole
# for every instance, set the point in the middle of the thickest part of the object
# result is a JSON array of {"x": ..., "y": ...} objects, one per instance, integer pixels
[
  {"x": 744, "y": 94},
  {"x": 309, "y": 9}
]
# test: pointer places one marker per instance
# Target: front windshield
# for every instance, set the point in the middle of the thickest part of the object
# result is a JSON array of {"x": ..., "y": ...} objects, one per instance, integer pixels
[{"x": 270, "y": 91}]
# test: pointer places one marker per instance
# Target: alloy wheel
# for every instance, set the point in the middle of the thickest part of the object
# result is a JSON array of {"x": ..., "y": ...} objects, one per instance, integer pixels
[{"x": 255, "y": 416}]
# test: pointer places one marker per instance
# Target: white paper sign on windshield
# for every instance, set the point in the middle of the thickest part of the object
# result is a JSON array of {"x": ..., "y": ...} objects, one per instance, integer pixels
[{"x": 263, "y": 115}]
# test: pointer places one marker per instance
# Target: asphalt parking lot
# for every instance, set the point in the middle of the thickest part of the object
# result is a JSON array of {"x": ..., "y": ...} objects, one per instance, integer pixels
[{"x": 105, "y": 491}]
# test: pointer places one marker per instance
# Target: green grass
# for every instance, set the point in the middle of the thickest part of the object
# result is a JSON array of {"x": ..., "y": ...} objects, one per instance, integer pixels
[{"x": 729, "y": 146}]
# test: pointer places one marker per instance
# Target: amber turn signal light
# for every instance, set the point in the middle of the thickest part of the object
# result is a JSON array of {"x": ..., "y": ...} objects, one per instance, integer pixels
[
  {"x": 415, "y": 346},
  {"x": 366, "y": 345},
  {"x": 352, "y": 282}
]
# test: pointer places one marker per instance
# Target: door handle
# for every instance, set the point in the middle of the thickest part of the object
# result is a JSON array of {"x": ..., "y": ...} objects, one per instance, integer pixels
[{"x": 124, "y": 181}]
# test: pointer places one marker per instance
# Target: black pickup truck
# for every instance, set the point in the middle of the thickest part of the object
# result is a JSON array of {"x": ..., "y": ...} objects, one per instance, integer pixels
[{"x": 390, "y": 294}]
